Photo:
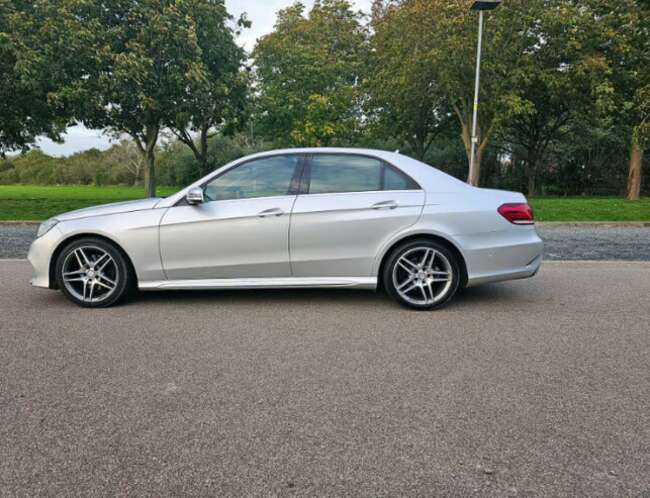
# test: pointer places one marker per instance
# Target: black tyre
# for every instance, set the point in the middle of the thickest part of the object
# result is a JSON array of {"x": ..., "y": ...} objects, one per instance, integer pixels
[
  {"x": 93, "y": 273},
  {"x": 422, "y": 274}
]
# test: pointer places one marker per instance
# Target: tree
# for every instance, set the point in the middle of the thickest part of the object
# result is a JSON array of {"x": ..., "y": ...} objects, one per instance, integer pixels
[
  {"x": 126, "y": 154},
  {"x": 217, "y": 102},
  {"x": 443, "y": 34},
  {"x": 307, "y": 74},
  {"x": 405, "y": 95},
  {"x": 141, "y": 58},
  {"x": 625, "y": 38},
  {"x": 563, "y": 82},
  {"x": 28, "y": 75}
]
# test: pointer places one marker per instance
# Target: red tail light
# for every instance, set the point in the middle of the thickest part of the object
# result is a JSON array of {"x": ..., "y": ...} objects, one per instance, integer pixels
[{"x": 519, "y": 214}]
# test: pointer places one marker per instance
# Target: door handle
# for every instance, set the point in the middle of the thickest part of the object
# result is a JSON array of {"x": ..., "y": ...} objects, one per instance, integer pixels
[
  {"x": 385, "y": 205},
  {"x": 270, "y": 212}
]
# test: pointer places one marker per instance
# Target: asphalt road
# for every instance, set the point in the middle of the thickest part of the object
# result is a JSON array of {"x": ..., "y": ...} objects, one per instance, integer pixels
[
  {"x": 536, "y": 388},
  {"x": 562, "y": 242}
]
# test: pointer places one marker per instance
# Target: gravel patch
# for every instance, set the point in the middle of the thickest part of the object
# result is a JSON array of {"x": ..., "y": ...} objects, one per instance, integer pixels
[
  {"x": 578, "y": 242},
  {"x": 595, "y": 242},
  {"x": 15, "y": 239}
]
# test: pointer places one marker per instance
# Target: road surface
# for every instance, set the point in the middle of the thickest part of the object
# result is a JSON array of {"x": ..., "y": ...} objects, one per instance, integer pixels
[{"x": 533, "y": 388}]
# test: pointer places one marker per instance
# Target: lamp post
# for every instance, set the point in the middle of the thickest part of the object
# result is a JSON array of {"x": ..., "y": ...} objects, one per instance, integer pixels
[{"x": 481, "y": 6}]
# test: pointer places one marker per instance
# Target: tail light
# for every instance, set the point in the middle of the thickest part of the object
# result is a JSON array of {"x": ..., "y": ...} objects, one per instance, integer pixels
[{"x": 519, "y": 213}]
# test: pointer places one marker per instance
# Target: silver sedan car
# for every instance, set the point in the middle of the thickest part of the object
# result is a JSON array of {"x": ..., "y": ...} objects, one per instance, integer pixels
[{"x": 296, "y": 218}]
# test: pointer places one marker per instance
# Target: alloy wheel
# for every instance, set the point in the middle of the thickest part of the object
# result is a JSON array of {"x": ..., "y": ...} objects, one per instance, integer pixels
[
  {"x": 90, "y": 274},
  {"x": 422, "y": 276}
]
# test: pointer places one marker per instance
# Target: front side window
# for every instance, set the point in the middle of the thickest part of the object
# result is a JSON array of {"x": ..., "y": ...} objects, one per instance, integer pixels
[
  {"x": 338, "y": 173},
  {"x": 266, "y": 177}
]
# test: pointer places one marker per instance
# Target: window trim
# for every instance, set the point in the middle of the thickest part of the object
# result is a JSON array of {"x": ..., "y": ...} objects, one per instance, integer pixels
[
  {"x": 294, "y": 185},
  {"x": 305, "y": 182}
]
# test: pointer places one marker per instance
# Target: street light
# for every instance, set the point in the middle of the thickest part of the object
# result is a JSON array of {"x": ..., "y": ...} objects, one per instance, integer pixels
[{"x": 481, "y": 6}]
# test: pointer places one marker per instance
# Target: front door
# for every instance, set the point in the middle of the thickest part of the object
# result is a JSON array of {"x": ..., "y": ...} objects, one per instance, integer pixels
[{"x": 242, "y": 228}]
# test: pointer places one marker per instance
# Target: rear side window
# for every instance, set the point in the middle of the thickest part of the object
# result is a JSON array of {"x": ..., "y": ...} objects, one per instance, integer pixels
[{"x": 339, "y": 173}]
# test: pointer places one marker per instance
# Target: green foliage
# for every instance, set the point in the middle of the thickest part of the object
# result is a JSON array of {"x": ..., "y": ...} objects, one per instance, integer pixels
[
  {"x": 405, "y": 95},
  {"x": 308, "y": 71},
  {"x": 28, "y": 75},
  {"x": 217, "y": 101},
  {"x": 118, "y": 165},
  {"x": 565, "y": 90}
]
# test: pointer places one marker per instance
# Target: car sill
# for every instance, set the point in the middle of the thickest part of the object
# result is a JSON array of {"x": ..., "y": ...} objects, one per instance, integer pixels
[{"x": 261, "y": 283}]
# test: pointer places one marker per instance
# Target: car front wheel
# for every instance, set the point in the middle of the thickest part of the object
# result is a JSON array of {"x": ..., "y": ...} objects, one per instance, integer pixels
[
  {"x": 422, "y": 274},
  {"x": 93, "y": 273}
]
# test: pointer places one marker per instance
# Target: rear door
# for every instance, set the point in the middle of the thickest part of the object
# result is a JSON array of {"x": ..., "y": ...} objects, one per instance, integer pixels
[{"x": 348, "y": 207}]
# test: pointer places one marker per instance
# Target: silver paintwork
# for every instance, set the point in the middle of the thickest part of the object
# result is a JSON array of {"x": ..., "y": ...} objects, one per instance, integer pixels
[
  {"x": 301, "y": 240},
  {"x": 194, "y": 196}
]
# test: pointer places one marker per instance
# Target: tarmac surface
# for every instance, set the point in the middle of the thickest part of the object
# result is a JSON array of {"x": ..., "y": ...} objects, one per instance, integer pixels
[{"x": 533, "y": 388}]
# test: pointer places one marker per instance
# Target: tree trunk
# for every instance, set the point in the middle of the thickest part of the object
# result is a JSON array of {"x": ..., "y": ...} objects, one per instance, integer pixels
[
  {"x": 474, "y": 176},
  {"x": 202, "y": 157},
  {"x": 633, "y": 191},
  {"x": 151, "y": 137},
  {"x": 532, "y": 184},
  {"x": 146, "y": 143},
  {"x": 150, "y": 173}
]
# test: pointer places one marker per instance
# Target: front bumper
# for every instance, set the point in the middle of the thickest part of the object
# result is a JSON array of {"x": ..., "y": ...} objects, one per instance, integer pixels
[{"x": 40, "y": 255}]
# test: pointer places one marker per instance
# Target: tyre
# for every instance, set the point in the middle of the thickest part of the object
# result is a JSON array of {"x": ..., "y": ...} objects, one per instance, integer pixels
[
  {"x": 422, "y": 274},
  {"x": 93, "y": 273}
]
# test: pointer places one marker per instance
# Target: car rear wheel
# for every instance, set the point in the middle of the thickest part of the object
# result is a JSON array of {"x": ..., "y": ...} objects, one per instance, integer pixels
[
  {"x": 93, "y": 273},
  {"x": 422, "y": 274}
]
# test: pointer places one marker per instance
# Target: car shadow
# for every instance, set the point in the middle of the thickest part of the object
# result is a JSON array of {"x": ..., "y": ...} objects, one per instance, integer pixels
[{"x": 485, "y": 295}]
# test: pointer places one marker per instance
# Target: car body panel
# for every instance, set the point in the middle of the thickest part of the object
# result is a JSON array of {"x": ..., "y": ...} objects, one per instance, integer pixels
[
  {"x": 227, "y": 239},
  {"x": 328, "y": 239},
  {"x": 338, "y": 235},
  {"x": 112, "y": 208}
]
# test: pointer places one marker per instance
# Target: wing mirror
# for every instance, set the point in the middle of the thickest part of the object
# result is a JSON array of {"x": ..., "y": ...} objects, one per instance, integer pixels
[{"x": 194, "y": 196}]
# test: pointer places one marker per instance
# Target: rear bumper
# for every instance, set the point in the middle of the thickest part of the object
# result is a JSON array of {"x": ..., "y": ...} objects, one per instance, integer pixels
[{"x": 505, "y": 255}]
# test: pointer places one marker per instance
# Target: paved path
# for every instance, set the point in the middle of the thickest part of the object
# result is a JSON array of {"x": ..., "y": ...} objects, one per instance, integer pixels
[
  {"x": 533, "y": 388},
  {"x": 563, "y": 242}
]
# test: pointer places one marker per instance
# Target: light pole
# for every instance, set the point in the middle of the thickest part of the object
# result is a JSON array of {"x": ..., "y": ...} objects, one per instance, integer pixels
[{"x": 481, "y": 6}]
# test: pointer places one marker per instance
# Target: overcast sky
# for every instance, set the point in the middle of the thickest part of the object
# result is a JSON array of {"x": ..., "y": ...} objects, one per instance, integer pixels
[{"x": 260, "y": 12}]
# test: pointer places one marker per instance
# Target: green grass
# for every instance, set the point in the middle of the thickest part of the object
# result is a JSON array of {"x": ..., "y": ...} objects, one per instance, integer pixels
[
  {"x": 590, "y": 209},
  {"x": 34, "y": 202}
]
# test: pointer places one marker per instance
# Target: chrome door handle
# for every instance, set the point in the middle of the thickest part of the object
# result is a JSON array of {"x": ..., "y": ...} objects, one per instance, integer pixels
[
  {"x": 385, "y": 205},
  {"x": 270, "y": 212}
]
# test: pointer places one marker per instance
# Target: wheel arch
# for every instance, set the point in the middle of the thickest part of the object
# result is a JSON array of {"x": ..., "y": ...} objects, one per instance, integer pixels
[
  {"x": 83, "y": 235},
  {"x": 419, "y": 236}
]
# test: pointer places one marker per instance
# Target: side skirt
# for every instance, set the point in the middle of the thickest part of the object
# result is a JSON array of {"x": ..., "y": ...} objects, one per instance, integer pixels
[{"x": 261, "y": 283}]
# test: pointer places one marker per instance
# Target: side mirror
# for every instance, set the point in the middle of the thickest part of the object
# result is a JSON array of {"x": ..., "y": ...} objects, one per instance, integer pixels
[{"x": 194, "y": 196}]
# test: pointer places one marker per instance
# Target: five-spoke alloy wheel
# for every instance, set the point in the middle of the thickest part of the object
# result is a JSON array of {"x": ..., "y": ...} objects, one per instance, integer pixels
[
  {"x": 93, "y": 273},
  {"x": 422, "y": 274}
]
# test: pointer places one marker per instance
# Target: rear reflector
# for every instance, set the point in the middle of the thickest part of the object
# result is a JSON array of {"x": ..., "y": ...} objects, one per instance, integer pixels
[{"x": 519, "y": 214}]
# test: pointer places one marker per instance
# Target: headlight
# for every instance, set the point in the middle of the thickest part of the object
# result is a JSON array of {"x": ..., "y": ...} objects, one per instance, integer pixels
[{"x": 46, "y": 226}]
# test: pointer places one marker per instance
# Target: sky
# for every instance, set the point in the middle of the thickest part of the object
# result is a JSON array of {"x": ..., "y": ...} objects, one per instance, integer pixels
[{"x": 262, "y": 15}]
